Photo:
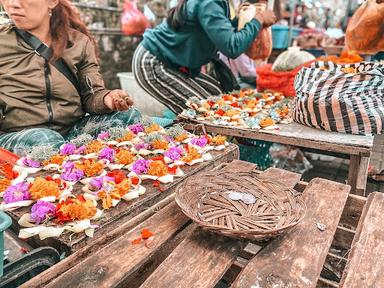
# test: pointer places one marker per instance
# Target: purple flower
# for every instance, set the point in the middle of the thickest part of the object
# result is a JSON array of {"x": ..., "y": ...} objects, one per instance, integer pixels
[
  {"x": 31, "y": 163},
  {"x": 107, "y": 153},
  {"x": 96, "y": 183},
  {"x": 136, "y": 128},
  {"x": 68, "y": 149},
  {"x": 103, "y": 136},
  {"x": 81, "y": 149},
  {"x": 41, "y": 210},
  {"x": 16, "y": 193},
  {"x": 140, "y": 166},
  {"x": 140, "y": 146},
  {"x": 201, "y": 142},
  {"x": 174, "y": 153},
  {"x": 70, "y": 173}
]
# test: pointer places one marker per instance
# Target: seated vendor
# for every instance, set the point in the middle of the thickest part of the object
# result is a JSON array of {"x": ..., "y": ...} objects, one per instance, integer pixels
[
  {"x": 168, "y": 62},
  {"x": 46, "y": 102}
]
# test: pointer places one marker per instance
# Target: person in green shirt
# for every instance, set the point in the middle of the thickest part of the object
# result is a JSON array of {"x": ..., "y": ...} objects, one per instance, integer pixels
[{"x": 167, "y": 64}]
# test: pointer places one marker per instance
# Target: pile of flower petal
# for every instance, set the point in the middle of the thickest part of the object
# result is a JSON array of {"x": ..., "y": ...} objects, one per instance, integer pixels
[
  {"x": 244, "y": 109},
  {"x": 108, "y": 169}
]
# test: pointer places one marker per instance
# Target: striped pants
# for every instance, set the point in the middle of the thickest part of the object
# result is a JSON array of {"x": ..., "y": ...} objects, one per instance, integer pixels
[
  {"x": 169, "y": 86},
  {"x": 21, "y": 142}
]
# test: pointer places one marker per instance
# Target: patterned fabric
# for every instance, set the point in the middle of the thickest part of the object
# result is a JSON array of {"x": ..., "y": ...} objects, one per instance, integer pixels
[
  {"x": 21, "y": 142},
  {"x": 169, "y": 86},
  {"x": 341, "y": 98}
]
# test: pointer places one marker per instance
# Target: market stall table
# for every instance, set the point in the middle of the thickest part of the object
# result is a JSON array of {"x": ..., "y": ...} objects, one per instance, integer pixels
[
  {"x": 184, "y": 255},
  {"x": 69, "y": 242},
  {"x": 357, "y": 147}
]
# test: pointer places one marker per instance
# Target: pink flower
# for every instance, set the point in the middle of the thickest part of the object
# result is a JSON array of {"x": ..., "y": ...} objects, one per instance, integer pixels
[
  {"x": 71, "y": 173},
  {"x": 140, "y": 166},
  {"x": 136, "y": 128},
  {"x": 31, "y": 163},
  {"x": 174, "y": 153},
  {"x": 140, "y": 146},
  {"x": 41, "y": 210},
  {"x": 103, "y": 136},
  {"x": 201, "y": 142},
  {"x": 107, "y": 153},
  {"x": 68, "y": 149},
  {"x": 17, "y": 192}
]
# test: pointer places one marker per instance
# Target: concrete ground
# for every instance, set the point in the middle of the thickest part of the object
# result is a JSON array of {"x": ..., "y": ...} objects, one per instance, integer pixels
[{"x": 336, "y": 169}]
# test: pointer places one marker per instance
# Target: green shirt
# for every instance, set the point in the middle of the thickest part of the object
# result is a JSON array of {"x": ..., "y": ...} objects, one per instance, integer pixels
[{"x": 207, "y": 29}]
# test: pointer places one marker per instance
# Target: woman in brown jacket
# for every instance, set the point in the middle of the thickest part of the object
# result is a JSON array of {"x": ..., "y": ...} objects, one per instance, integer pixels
[{"x": 40, "y": 101}]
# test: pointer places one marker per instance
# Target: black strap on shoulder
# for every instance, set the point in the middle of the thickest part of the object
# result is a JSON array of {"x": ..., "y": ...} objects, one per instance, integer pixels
[{"x": 44, "y": 51}]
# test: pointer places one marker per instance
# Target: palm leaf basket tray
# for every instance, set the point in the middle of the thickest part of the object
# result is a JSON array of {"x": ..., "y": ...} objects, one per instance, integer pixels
[{"x": 240, "y": 204}]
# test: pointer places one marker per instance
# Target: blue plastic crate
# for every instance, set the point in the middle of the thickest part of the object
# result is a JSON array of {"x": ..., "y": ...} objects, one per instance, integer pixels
[
  {"x": 5, "y": 222},
  {"x": 280, "y": 35}
]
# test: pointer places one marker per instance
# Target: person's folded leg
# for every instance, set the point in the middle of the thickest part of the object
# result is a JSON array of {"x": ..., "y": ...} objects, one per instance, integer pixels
[{"x": 22, "y": 142}]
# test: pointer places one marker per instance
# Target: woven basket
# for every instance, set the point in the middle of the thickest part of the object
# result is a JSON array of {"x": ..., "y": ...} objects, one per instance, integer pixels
[{"x": 206, "y": 200}]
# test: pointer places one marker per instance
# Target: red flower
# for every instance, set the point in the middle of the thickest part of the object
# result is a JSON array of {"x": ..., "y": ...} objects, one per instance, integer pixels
[
  {"x": 211, "y": 103},
  {"x": 136, "y": 241},
  {"x": 118, "y": 175},
  {"x": 135, "y": 180},
  {"x": 172, "y": 170},
  {"x": 145, "y": 234},
  {"x": 220, "y": 112},
  {"x": 6, "y": 170},
  {"x": 158, "y": 158},
  {"x": 235, "y": 104}
]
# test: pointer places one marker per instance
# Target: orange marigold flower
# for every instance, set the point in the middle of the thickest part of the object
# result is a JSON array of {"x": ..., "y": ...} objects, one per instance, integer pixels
[
  {"x": 136, "y": 241},
  {"x": 90, "y": 167},
  {"x": 123, "y": 187},
  {"x": 181, "y": 137},
  {"x": 44, "y": 188},
  {"x": 157, "y": 168},
  {"x": 127, "y": 137},
  {"x": 153, "y": 128},
  {"x": 4, "y": 184},
  {"x": 231, "y": 113},
  {"x": 251, "y": 103},
  {"x": 125, "y": 157},
  {"x": 218, "y": 140},
  {"x": 94, "y": 146},
  {"x": 160, "y": 144},
  {"x": 56, "y": 159},
  {"x": 192, "y": 154},
  {"x": 75, "y": 209},
  {"x": 267, "y": 122}
]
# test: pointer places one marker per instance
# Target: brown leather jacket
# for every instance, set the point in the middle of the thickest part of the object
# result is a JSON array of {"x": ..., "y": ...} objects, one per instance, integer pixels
[{"x": 32, "y": 97}]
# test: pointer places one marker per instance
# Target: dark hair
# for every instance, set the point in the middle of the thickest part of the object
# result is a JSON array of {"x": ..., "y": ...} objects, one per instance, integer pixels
[{"x": 176, "y": 16}]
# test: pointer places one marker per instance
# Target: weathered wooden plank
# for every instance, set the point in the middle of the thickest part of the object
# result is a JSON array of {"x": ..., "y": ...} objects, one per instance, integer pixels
[
  {"x": 297, "y": 135},
  {"x": 116, "y": 263},
  {"x": 204, "y": 253},
  {"x": 364, "y": 268},
  {"x": 296, "y": 259},
  {"x": 362, "y": 176},
  {"x": 352, "y": 211},
  {"x": 125, "y": 211}
]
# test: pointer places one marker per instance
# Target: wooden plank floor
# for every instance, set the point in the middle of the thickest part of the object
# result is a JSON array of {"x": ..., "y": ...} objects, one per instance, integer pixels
[
  {"x": 204, "y": 253},
  {"x": 365, "y": 267},
  {"x": 296, "y": 260}
]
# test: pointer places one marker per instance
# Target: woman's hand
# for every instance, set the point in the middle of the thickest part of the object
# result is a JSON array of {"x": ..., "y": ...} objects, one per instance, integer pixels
[
  {"x": 266, "y": 18},
  {"x": 118, "y": 100}
]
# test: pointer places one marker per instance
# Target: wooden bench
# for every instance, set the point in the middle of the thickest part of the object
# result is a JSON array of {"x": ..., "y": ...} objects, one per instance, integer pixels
[
  {"x": 124, "y": 211},
  {"x": 357, "y": 148},
  {"x": 365, "y": 267},
  {"x": 184, "y": 255}
]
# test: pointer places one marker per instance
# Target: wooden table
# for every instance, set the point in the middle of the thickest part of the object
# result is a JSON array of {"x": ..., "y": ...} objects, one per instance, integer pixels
[
  {"x": 124, "y": 211},
  {"x": 184, "y": 255},
  {"x": 357, "y": 147}
]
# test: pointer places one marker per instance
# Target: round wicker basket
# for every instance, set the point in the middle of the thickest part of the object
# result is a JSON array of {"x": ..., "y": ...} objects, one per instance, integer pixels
[{"x": 240, "y": 204}]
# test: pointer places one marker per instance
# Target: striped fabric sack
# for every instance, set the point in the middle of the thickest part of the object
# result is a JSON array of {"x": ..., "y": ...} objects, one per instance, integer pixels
[{"x": 342, "y": 98}]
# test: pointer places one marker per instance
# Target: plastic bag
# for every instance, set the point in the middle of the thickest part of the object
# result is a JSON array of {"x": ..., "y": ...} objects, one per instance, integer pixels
[
  {"x": 261, "y": 47},
  {"x": 282, "y": 82},
  {"x": 133, "y": 21},
  {"x": 366, "y": 29},
  {"x": 8, "y": 156},
  {"x": 289, "y": 158},
  {"x": 341, "y": 98},
  {"x": 291, "y": 59}
]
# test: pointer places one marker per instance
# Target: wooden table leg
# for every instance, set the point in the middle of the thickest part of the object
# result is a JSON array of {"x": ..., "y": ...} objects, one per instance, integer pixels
[{"x": 358, "y": 173}]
